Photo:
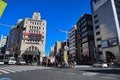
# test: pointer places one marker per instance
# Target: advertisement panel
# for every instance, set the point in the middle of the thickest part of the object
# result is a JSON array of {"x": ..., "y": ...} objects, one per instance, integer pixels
[
  {"x": 113, "y": 42},
  {"x": 109, "y": 43},
  {"x": 34, "y": 36}
]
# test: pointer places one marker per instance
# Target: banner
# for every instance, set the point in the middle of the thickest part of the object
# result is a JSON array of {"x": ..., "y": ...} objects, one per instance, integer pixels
[{"x": 3, "y": 5}]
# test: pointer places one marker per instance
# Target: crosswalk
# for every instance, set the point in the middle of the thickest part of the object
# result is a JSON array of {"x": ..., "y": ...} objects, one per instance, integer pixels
[{"x": 14, "y": 69}]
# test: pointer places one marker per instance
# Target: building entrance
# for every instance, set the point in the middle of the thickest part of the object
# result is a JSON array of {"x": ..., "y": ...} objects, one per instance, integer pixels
[
  {"x": 110, "y": 57},
  {"x": 31, "y": 55}
]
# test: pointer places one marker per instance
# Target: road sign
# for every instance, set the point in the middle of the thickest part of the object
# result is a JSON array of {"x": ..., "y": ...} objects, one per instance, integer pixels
[{"x": 3, "y": 5}]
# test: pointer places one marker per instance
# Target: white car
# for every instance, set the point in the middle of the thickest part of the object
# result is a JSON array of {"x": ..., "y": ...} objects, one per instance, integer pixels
[
  {"x": 21, "y": 62},
  {"x": 12, "y": 61},
  {"x": 100, "y": 64},
  {"x": 104, "y": 65},
  {"x": 1, "y": 61}
]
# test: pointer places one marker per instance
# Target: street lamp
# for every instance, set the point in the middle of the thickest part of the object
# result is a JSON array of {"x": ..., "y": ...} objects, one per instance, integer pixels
[
  {"x": 5, "y": 25},
  {"x": 66, "y": 47},
  {"x": 66, "y": 32}
]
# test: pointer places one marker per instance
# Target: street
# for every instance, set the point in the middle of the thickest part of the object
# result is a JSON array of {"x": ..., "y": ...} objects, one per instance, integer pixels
[{"x": 13, "y": 72}]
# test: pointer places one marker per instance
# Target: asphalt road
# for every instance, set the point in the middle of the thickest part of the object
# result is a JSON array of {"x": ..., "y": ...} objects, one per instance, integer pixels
[{"x": 82, "y": 73}]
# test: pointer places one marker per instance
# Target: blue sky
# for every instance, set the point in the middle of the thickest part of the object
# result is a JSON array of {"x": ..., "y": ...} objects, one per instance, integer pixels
[{"x": 59, "y": 14}]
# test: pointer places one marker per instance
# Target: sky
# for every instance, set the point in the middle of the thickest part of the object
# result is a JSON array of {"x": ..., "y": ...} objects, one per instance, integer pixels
[{"x": 59, "y": 14}]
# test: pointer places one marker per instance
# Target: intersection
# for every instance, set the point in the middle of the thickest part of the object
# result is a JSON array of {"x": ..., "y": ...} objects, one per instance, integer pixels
[{"x": 14, "y": 72}]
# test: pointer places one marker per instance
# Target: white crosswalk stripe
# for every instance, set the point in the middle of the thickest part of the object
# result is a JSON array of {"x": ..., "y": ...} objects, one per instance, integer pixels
[
  {"x": 14, "y": 69},
  {"x": 4, "y": 71},
  {"x": 9, "y": 70}
]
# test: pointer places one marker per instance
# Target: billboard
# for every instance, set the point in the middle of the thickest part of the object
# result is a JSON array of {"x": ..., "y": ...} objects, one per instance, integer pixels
[
  {"x": 104, "y": 44},
  {"x": 34, "y": 37},
  {"x": 3, "y": 5},
  {"x": 113, "y": 42},
  {"x": 109, "y": 43}
]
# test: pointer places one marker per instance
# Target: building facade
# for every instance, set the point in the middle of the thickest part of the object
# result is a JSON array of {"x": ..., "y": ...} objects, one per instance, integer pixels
[
  {"x": 106, "y": 22},
  {"x": 52, "y": 51},
  {"x": 72, "y": 39},
  {"x": 28, "y": 38},
  {"x": 13, "y": 43},
  {"x": 85, "y": 39},
  {"x": 3, "y": 44}
]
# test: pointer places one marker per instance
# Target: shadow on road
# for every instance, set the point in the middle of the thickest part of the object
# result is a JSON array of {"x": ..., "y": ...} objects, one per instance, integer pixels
[{"x": 106, "y": 71}]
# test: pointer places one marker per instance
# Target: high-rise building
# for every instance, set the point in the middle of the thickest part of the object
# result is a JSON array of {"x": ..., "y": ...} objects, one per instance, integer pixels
[
  {"x": 52, "y": 51},
  {"x": 27, "y": 39},
  {"x": 3, "y": 43},
  {"x": 72, "y": 39},
  {"x": 57, "y": 48},
  {"x": 85, "y": 40},
  {"x": 106, "y": 22}
]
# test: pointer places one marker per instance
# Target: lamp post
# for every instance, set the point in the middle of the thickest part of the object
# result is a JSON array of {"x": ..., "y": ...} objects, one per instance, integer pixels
[{"x": 66, "y": 47}]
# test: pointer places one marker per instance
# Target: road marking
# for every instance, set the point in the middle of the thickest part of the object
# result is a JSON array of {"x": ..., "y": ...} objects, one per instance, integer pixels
[
  {"x": 13, "y": 69},
  {"x": 110, "y": 75},
  {"x": 8, "y": 70},
  {"x": 89, "y": 74},
  {"x": 107, "y": 77},
  {"x": 17, "y": 70},
  {"x": 4, "y": 71}
]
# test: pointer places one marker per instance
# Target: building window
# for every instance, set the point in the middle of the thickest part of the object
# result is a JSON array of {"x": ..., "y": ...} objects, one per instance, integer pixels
[
  {"x": 97, "y": 33},
  {"x": 96, "y": 21},
  {"x": 95, "y": 16},
  {"x": 84, "y": 34},
  {"x": 99, "y": 45},
  {"x": 98, "y": 39},
  {"x": 33, "y": 23},
  {"x": 42, "y": 32},
  {"x": 39, "y": 27},
  {"x": 97, "y": 26},
  {"x": 84, "y": 29}
]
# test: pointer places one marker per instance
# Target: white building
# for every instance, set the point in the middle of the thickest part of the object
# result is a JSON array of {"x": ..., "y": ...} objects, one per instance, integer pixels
[{"x": 29, "y": 38}]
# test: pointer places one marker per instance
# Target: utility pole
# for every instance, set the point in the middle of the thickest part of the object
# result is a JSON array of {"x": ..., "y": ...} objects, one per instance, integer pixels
[{"x": 66, "y": 47}]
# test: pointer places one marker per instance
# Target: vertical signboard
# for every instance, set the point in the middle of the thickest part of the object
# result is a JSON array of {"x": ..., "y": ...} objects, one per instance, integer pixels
[{"x": 3, "y": 5}]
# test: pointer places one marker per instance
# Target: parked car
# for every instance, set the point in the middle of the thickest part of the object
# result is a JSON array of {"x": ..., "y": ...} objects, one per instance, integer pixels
[
  {"x": 21, "y": 62},
  {"x": 100, "y": 64},
  {"x": 11, "y": 60},
  {"x": 1, "y": 61}
]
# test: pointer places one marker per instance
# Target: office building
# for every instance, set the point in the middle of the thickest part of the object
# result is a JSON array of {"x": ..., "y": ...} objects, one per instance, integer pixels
[
  {"x": 72, "y": 39},
  {"x": 106, "y": 22},
  {"x": 85, "y": 40}
]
